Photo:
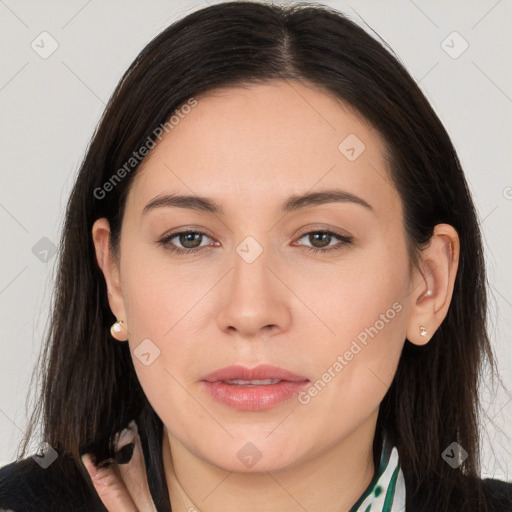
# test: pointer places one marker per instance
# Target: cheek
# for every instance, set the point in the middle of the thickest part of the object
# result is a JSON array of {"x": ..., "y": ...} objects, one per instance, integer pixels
[
  {"x": 159, "y": 294},
  {"x": 160, "y": 304},
  {"x": 365, "y": 308},
  {"x": 162, "y": 308},
  {"x": 361, "y": 295}
]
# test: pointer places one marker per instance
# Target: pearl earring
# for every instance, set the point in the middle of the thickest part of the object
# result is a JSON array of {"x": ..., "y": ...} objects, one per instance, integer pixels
[
  {"x": 423, "y": 331},
  {"x": 117, "y": 326},
  {"x": 117, "y": 329}
]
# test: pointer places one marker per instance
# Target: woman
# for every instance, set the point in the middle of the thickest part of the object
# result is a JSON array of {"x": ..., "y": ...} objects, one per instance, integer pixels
[{"x": 271, "y": 292}]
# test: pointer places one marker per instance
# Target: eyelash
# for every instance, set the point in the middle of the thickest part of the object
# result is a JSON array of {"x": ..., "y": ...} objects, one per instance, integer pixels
[{"x": 165, "y": 241}]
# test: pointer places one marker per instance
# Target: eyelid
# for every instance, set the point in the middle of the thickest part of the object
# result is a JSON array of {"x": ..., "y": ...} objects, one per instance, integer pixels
[{"x": 316, "y": 228}]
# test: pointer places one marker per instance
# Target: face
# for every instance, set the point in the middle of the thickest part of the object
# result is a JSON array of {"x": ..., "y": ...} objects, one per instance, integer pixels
[{"x": 317, "y": 287}]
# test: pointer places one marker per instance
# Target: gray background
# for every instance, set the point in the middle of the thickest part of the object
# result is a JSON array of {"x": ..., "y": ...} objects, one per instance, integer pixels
[{"x": 50, "y": 107}]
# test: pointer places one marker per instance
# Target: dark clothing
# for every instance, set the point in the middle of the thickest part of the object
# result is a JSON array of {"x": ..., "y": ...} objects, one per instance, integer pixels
[
  {"x": 25, "y": 487},
  {"x": 65, "y": 486}
]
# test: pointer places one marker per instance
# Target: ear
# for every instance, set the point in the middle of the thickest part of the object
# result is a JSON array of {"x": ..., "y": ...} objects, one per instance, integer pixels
[
  {"x": 433, "y": 283},
  {"x": 110, "y": 268}
]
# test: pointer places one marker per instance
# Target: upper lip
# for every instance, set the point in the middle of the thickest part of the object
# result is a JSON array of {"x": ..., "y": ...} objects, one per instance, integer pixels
[{"x": 260, "y": 372}]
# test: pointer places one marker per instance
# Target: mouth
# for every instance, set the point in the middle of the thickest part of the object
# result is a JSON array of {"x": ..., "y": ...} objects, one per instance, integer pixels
[
  {"x": 264, "y": 382},
  {"x": 261, "y": 375},
  {"x": 253, "y": 389}
]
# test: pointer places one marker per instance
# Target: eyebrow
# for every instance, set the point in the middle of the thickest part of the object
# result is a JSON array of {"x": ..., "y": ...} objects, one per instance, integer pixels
[{"x": 293, "y": 203}]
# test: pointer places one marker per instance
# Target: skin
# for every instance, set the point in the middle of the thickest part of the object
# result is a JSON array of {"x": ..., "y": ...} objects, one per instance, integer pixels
[{"x": 250, "y": 149}]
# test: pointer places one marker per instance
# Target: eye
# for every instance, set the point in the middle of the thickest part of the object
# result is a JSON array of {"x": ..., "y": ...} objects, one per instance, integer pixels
[
  {"x": 190, "y": 241},
  {"x": 323, "y": 238}
]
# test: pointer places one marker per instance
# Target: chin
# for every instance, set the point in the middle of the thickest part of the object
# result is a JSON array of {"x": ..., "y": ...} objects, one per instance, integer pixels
[{"x": 254, "y": 457}]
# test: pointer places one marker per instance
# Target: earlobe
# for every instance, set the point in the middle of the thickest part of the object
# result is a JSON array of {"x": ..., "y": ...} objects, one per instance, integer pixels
[
  {"x": 110, "y": 270},
  {"x": 434, "y": 282}
]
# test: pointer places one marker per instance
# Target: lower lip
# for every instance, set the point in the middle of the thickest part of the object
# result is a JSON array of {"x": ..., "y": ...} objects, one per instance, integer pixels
[{"x": 253, "y": 398}]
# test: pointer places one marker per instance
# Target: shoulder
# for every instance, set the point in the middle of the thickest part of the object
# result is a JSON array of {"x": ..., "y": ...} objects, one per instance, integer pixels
[
  {"x": 26, "y": 486},
  {"x": 499, "y": 494},
  {"x": 464, "y": 496}
]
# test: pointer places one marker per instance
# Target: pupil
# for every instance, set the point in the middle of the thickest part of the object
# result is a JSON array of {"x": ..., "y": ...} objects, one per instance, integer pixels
[
  {"x": 188, "y": 238},
  {"x": 318, "y": 236}
]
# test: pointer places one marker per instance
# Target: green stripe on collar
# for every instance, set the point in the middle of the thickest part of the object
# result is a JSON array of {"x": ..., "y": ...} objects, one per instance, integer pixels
[{"x": 386, "y": 491}]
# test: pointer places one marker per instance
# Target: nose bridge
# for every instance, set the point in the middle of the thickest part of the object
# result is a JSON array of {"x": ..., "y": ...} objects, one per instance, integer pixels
[
  {"x": 250, "y": 273},
  {"x": 255, "y": 298}
]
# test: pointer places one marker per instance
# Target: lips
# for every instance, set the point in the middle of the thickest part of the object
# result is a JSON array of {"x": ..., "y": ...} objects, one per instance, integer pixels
[
  {"x": 258, "y": 373},
  {"x": 253, "y": 389}
]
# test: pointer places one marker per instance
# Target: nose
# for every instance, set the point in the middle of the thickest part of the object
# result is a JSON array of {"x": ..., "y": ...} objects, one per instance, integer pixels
[{"x": 256, "y": 299}]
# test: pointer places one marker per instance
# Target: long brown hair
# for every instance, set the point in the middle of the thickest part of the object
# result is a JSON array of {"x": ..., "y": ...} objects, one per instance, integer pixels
[{"x": 89, "y": 386}]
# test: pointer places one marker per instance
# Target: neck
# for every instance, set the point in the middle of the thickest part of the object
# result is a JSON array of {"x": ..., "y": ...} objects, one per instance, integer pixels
[{"x": 331, "y": 481}]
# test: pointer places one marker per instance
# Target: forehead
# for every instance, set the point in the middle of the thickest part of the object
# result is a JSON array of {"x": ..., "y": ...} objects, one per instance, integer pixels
[{"x": 270, "y": 139}]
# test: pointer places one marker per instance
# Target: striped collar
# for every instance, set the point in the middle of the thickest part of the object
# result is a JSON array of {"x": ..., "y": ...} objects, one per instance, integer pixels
[{"x": 386, "y": 491}]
